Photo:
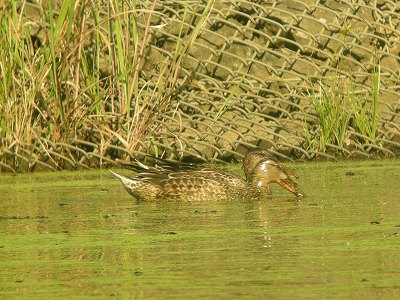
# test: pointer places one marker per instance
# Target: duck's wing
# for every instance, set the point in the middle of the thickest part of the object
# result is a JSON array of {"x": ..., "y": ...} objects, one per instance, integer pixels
[
  {"x": 198, "y": 176},
  {"x": 154, "y": 164}
]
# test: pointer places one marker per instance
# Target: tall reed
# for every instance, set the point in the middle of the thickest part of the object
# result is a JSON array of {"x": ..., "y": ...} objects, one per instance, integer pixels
[
  {"x": 84, "y": 81},
  {"x": 365, "y": 112},
  {"x": 142, "y": 101}
]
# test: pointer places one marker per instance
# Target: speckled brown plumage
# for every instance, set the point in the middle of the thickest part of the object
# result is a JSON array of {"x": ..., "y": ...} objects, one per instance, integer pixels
[{"x": 197, "y": 183}]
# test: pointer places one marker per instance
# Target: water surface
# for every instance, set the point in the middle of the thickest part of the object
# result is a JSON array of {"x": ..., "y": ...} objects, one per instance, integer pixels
[{"x": 79, "y": 234}]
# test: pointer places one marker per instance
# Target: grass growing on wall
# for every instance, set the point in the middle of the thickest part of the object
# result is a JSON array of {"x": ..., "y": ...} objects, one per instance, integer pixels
[
  {"x": 337, "y": 108},
  {"x": 365, "y": 112},
  {"x": 333, "y": 113}
]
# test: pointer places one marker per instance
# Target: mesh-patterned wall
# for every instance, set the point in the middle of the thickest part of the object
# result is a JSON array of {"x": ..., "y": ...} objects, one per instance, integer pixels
[
  {"x": 303, "y": 79},
  {"x": 255, "y": 64}
]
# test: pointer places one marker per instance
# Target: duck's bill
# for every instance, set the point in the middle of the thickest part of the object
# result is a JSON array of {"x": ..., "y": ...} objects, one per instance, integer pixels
[{"x": 291, "y": 186}]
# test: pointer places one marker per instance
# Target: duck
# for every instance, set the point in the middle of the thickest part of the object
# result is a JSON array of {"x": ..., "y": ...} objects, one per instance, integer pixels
[{"x": 190, "y": 182}]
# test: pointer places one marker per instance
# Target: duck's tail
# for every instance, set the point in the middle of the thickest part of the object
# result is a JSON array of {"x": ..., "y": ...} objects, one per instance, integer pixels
[{"x": 126, "y": 181}]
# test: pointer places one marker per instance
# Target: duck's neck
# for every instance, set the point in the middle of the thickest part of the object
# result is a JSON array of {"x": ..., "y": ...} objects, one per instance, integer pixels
[{"x": 257, "y": 188}]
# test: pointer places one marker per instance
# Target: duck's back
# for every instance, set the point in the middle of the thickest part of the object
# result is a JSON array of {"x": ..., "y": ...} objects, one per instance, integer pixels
[{"x": 196, "y": 185}]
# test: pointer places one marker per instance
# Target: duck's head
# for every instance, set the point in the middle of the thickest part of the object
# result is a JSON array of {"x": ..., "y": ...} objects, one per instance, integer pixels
[
  {"x": 251, "y": 159},
  {"x": 260, "y": 171}
]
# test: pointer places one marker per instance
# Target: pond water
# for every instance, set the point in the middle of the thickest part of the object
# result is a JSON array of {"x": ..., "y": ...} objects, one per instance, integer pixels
[{"x": 79, "y": 234}]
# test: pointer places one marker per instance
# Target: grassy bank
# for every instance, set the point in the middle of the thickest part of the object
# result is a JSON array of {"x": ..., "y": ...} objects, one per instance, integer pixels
[
  {"x": 85, "y": 83},
  {"x": 79, "y": 86}
]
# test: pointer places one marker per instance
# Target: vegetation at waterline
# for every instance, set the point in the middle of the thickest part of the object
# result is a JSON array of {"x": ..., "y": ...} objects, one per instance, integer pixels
[
  {"x": 341, "y": 111},
  {"x": 84, "y": 83},
  {"x": 55, "y": 103}
]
